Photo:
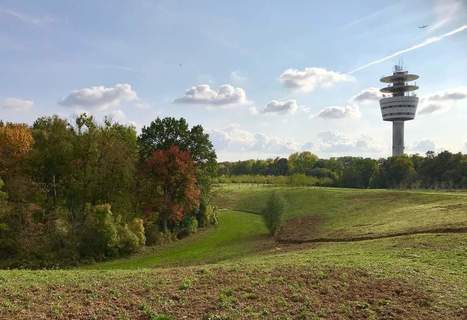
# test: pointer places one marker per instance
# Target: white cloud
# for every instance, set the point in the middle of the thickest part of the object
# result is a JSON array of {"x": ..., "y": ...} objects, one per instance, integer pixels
[
  {"x": 16, "y": 104},
  {"x": 204, "y": 94},
  {"x": 422, "y": 146},
  {"x": 442, "y": 101},
  {"x": 118, "y": 115},
  {"x": 347, "y": 112},
  {"x": 368, "y": 95},
  {"x": 281, "y": 107},
  {"x": 234, "y": 139},
  {"x": 332, "y": 143},
  {"x": 310, "y": 78},
  {"x": 99, "y": 98}
]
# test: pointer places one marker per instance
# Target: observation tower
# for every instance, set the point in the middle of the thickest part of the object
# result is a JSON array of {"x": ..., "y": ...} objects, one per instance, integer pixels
[{"x": 400, "y": 105}]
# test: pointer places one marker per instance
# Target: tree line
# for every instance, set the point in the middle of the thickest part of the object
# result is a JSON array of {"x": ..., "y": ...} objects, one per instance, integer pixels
[
  {"x": 444, "y": 170},
  {"x": 85, "y": 191}
]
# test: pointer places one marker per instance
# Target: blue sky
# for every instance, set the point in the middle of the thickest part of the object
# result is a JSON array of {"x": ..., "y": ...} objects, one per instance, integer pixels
[{"x": 265, "y": 78}]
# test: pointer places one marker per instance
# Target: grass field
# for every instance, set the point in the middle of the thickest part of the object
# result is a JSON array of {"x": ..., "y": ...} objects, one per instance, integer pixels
[
  {"x": 234, "y": 271},
  {"x": 337, "y": 213}
]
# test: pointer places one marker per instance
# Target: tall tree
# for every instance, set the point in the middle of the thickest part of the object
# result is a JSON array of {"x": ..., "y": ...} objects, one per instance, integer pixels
[
  {"x": 164, "y": 133},
  {"x": 171, "y": 187}
]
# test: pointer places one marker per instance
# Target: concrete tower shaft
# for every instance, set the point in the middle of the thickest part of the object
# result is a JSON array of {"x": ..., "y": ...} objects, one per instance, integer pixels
[{"x": 399, "y": 105}]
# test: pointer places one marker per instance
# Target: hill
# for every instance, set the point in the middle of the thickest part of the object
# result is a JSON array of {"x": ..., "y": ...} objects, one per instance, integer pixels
[
  {"x": 324, "y": 214},
  {"x": 233, "y": 271}
]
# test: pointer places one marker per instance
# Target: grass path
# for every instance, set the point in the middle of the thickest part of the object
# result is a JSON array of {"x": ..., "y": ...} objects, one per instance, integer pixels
[{"x": 238, "y": 234}]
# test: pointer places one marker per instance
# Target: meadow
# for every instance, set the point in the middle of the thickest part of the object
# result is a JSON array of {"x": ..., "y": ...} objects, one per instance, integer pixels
[{"x": 340, "y": 254}]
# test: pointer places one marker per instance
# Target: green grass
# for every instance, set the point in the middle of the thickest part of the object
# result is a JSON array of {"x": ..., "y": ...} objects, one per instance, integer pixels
[
  {"x": 344, "y": 213},
  {"x": 237, "y": 234}
]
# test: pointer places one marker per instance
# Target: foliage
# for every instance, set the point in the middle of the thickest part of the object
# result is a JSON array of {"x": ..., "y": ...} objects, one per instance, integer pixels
[
  {"x": 83, "y": 190},
  {"x": 273, "y": 212},
  {"x": 172, "y": 183},
  {"x": 99, "y": 234},
  {"x": 301, "y": 163},
  {"x": 443, "y": 170},
  {"x": 163, "y": 134}
]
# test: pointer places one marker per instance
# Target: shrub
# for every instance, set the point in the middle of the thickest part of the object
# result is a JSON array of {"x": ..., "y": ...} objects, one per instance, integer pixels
[
  {"x": 272, "y": 213},
  {"x": 128, "y": 242},
  {"x": 137, "y": 227},
  {"x": 99, "y": 237},
  {"x": 207, "y": 215}
]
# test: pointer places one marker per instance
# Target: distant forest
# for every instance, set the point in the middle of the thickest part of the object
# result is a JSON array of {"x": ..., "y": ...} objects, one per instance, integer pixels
[{"x": 444, "y": 170}]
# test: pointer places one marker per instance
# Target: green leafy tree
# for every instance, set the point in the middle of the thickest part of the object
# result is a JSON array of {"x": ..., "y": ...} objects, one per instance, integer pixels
[
  {"x": 273, "y": 212},
  {"x": 302, "y": 162}
]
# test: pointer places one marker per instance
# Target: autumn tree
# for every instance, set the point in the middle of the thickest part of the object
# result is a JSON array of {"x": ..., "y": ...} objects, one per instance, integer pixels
[
  {"x": 15, "y": 142},
  {"x": 167, "y": 132},
  {"x": 172, "y": 188}
]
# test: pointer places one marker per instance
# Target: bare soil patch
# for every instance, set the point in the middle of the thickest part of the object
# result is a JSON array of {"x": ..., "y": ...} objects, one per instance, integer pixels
[{"x": 229, "y": 292}]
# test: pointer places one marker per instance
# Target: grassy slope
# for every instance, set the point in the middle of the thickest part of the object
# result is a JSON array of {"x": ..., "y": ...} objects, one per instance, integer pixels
[
  {"x": 410, "y": 277},
  {"x": 238, "y": 234},
  {"x": 343, "y": 213}
]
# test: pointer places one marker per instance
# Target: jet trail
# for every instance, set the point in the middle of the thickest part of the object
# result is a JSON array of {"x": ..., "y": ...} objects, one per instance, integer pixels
[{"x": 422, "y": 44}]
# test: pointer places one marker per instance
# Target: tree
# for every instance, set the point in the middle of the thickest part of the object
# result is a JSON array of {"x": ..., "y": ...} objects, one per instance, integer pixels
[
  {"x": 273, "y": 212},
  {"x": 164, "y": 133},
  {"x": 172, "y": 188},
  {"x": 51, "y": 155},
  {"x": 15, "y": 142},
  {"x": 302, "y": 162}
]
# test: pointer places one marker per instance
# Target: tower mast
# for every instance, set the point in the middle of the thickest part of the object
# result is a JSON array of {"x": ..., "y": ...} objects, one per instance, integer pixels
[{"x": 400, "y": 105}]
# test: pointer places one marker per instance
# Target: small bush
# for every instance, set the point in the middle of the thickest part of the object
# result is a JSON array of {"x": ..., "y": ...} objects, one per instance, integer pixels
[
  {"x": 189, "y": 226},
  {"x": 137, "y": 227},
  {"x": 273, "y": 212},
  {"x": 99, "y": 236}
]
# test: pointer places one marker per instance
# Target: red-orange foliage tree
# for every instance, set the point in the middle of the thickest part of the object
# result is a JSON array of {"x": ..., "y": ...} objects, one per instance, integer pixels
[{"x": 173, "y": 189}]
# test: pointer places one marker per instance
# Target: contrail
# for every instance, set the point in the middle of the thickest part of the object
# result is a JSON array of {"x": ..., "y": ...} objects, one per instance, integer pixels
[{"x": 414, "y": 47}]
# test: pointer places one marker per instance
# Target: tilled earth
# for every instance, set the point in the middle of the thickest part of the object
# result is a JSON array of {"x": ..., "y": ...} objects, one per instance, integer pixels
[{"x": 219, "y": 292}]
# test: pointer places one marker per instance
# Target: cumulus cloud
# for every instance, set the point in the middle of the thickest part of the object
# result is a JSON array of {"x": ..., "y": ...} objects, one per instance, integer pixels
[
  {"x": 347, "y": 112},
  {"x": 100, "y": 98},
  {"x": 16, "y": 104},
  {"x": 351, "y": 109},
  {"x": 235, "y": 139},
  {"x": 204, "y": 94},
  {"x": 422, "y": 146},
  {"x": 309, "y": 79},
  {"x": 333, "y": 143},
  {"x": 281, "y": 107},
  {"x": 368, "y": 95},
  {"x": 442, "y": 101}
]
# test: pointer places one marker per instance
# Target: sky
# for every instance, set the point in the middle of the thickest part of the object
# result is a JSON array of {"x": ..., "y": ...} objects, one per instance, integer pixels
[{"x": 264, "y": 78}]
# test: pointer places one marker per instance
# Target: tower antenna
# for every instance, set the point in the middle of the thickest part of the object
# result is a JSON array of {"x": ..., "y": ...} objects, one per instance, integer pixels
[{"x": 399, "y": 106}]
